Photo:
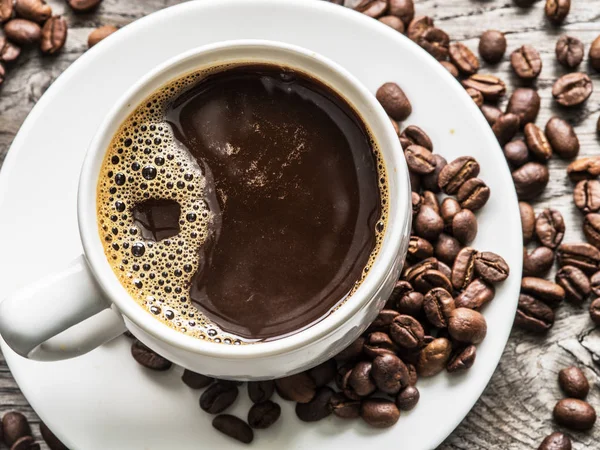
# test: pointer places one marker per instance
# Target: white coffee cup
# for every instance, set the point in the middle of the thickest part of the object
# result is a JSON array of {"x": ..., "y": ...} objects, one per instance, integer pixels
[{"x": 84, "y": 305}]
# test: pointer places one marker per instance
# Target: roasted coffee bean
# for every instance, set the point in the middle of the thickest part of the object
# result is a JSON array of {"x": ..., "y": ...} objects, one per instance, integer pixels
[
  {"x": 473, "y": 194},
  {"x": 416, "y": 136},
  {"x": 581, "y": 255},
  {"x": 562, "y": 138},
  {"x": 54, "y": 35},
  {"x": 491, "y": 113},
  {"x": 148, "y": 358},
  {"x": 418, "y": 26},
  {"x": 430, "y": 181},
  {"x": 318, "y": 408},
  {"x": 83, "y": 5},
  {"x": 8, "y": 51},
  {"x": 196, "y": 380},
  {"x": 446, "y": 248},
  {"x": 448, "y": 209},
  {"x": 463, "y": 359},
  {"x": 343, "y": 407},
  {"x": 389, "y": 374},
  {"x": 51, "y": 440},
  {"x": 550, "y": 228},
  {"x": 537, "y": 142},
  {"x": 591, "y": 229},
  {"x": 379, "y": 343},
  {"x": 516, "y": 153},
  {"x": 261, "y": 391},
  {"x": 264, "y": 414},
  {"x": 26, "y": 443},
  {"x": 490, "y": 86},
  {"x": 491, "y": 267},
  {"x": 525, "y": 103},
  {"x": 393, "y": 22},
  {"x": 416, "y": 203},
  {"x": 6, "y": 10},
  {"x": 436, "y": 42},
  {"x": 404, "y": 9},
  {"x": 428, "y": 224},
  {"x": 324, "y": 373},
  {"x": 434, "y": 357},
  {"x": 341, "y": 379},
  {"x": 359, "y": 379},
  {"x": 101, "y": 33},
  {"x": 407, "y": 398},
  {"x": 527, "y": 221},
  {"x": 445, "y": 269},
  {"x": 463, "y": 269},
  {"x": 595, "y": 283},
  {"x": 394, "y": 101},
  {"x": 595, "y": 311},
  {"x": 354, "y": 350},
  {"x": 379, "y": 412},
  {"x": 556, "y": 441},
  {"x": 526, "y": 62},
  {"x": 410, "y": 303},
  {"x": 594, "y": 54},
  {"x": 233, "y": 427},
  {"x": 467, "y": 326},
  {"x": 569, "y": 51},
  {"x": 530, "y": 180},
  {"x": 572, "y": 89},
  {"x": 533, "y": 315},
  {"x": 456, "y": 173},
  {"x": 430, "y": 199},
  {"x": 14, "y": 427},
  {"x": 476, "y": 96},
  {"x": 506, "y": 127},
  {"x": 218, "y": 397},
  {"x": 438, "y": 304},
  {"x": 586, "y": 196},
  {"x": 411, "y": 273},
  {"x": 537, "y": 263},
  {"x": 573, "y": 382},
  {"x": 557, "y": 10},
  {"x": 574, "y": 414},
  {"x": 575, "y": 284},
  {"x": 372, "y": 8},
  {"x": 35, "y": 10},
  {"x": 584, "y": 168},
  {"x": 450, "y": 68},
  {"x": 419, "y": 160},
  {"x": 463, "y": 58},
  {"x": 382, "y": 321},
  {"x": 464, "y": 226},
  {"x": 430, "y": 279},
  {"x": 492, "y": 45},
  {"x": 419, "y": 248},
  {"x": 23, "y": 32},
  {"x": 550, "y": 293},
  {"x": 407, "y": 332},
  {"x": 475, "y": 295},
  {"x": 299, "y": 388}
]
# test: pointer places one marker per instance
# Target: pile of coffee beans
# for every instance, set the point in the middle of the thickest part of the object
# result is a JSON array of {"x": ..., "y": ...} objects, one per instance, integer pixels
[{"x": 16, "y": 433}]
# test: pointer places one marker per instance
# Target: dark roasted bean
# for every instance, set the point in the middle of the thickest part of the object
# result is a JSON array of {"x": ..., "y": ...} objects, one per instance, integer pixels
[
  {"x": 448, "y": 209},
  {"x": 537, "y": 263},
  {"x": 438, "y": 304},
  {"x": 581, "y": 255},
  {"x": 586, "y": 196},
  {"x": 525, "y": 103},
  {"x": 324, "y": 373},
  {"x": 492, "y": 45},
  {"x": 418, "y": 26},
  {"x": 594, "y": 54},
  {"x": 196, "y": 380},
  {"x": 446, "y": 248},
  {"x": 14, "y": 427},
  {"x": 419, "y": 248},
  {"x": 382, "y": 321},
  {"x": 51, "y": 440},
  {"x": 574, "y": 414},
  {"x": 148, "y": 358},
  {"x": 416, "y": 136},
  {"x": 464, "y": 226},
  {"x": 430, "y": 181},
  {"x": 261, "y": 391},
  {"x": 379, "y": 413},
  {"x": 359, "y": 379},
  {"x": 550, "y": 293},
  {"x": 573, "y": 382},
  {"x": 463, "y": 58},
  {"x": 473, "y": 194},
  {"x": 516, "y": 153},
  {"x": 218, "y": 397},
  {"x": 456, "y": 173},
  {"x": 299, "y": 388},
  {"x": 404, "y": 9},
  {"x": 428, "y": 224},
  {"x": 378, "y": 343},
  {"x": 26, "y": 443},
  {"x": 562, "y": 138},
  {"x": 416, "y": 203},
  {"x": 533, "y": 315},
  {"x": 264, "y": 414},
  {"x": 430, "y": 279},
  {"x": 491, "y": 113},
  {"x": 318, "y": 408},
  {"x": 491, "y": 267},
  {"x": 408, "y": 398},
  {"x": 575, "y": 284},
  {"x": 419, "y": 160},
  {"x": 233, "y": 427},
  {"x": 506, "y": 127},
  {"x": 526, "y": 62},
  {"x": 527, "y": 221},
  {"x": 556, "y": 441},
  {"x": 54, "y": 35},
  {"x": 435, "y": 42},
  {"x": 354, "y": 350},
  {"x": 476, "y": 96},
  {"x": 475, "y": 295},
  {"x": 394, "y": 101},
  {"x": 407, "y": 332},
  {"x": 569, "y": 51},
  {"x": 467, "y": 326},
  {"x": 530, "y": 180},
  {"x": 537, "y": 142},
  {"x": 389, "y": 374},
  {"x": 550, "y": 228},
  {"x": 463, "y": 269},
  {"x": 411, "y": 303},
  {"x": 591, "y": 229},
  {"x": 450, "y": 68},
  {"x": 490, "y": 86},
  {"x": 572, "y": 89},
  {"x": 462, "y": 359},
  {"x": 595, "y": 284},
  {"x": 343, "y": 407}
]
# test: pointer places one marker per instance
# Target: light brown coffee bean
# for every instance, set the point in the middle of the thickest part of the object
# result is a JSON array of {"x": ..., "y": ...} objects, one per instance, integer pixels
[
  {"x": 394, "y": 101},
  {"x": 434, "y": 357},
  {"x": 550, "y": 293},
  {"x": 584, "y": 168},
  {"x": 491, "y": 267},
  {"x": 413, "y": 135},
  {"x": 476, "y": 96},
  {"x": 463, "y": 270},
  {"x": 23, "y": 32},
  {"x": 537, "y": 142},
  {"x": 525, "y": 103},
  {"x": 492, "y": 45},
  {"x": 35, "y": 10},
  {"x": 562, "y": 138},
  {"x": 557, "y": 10},
  {"x": 569, "y": 51},
  {"x": 418, "y": 26},
  {"x": 463, "y": 58},
  {"x": 379, "y": 412},
  {"x": 463, "y": 359},
  {"x": 526, "y": 62},
  {"x": 404, "y": 9},
  {"x": 407, "y": 332},
  {"x": 490, "y": 86},
  {"x": 572, "y": 89},
  {"x": 527, "y": 221},
  {"x": 393, "y": 22},
  {"x": 54, "y": 35},
  {"x": 582, "y": 255},
  {"x": 438, "y": 304},
  {"x": 448, "y": 209},
  {"x": 6, "y": 10},
  {"x": 446, "y": 248},
  {"x": 586, "y": 196},
  {"x": 467, "y": 326},
  {"x": 428, "y": 224},
  {"x": 102, "y": 33}
]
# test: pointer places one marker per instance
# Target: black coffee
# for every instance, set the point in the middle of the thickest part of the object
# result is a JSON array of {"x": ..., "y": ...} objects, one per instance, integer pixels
[{"x": 249, "y": 201}]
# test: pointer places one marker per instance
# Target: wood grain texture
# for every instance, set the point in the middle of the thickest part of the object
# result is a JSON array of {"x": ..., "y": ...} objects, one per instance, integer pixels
[{"x": 515, "y": 412}]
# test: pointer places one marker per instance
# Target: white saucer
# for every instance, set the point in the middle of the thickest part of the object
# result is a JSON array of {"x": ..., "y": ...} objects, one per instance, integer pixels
[{"x": 104, "y": 400}]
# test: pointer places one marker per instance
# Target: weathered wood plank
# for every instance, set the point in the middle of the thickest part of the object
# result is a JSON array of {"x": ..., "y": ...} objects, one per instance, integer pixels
[{"x": 515, "y": 411}]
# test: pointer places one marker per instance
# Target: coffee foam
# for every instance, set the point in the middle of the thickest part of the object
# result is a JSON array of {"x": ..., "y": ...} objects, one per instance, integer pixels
[{"x": 145, "y": 161}]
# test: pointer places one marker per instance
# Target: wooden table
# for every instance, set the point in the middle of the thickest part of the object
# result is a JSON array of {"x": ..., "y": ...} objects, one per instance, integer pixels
[{"x": 515, "y": 412}]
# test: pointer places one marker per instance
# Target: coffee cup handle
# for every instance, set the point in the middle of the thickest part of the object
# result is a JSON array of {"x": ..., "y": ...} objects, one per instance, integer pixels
[{"x": 59, "y": 317}]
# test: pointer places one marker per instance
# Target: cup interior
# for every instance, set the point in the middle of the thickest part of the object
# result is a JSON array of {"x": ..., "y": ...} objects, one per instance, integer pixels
[{"x": 240, "y": 52}]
